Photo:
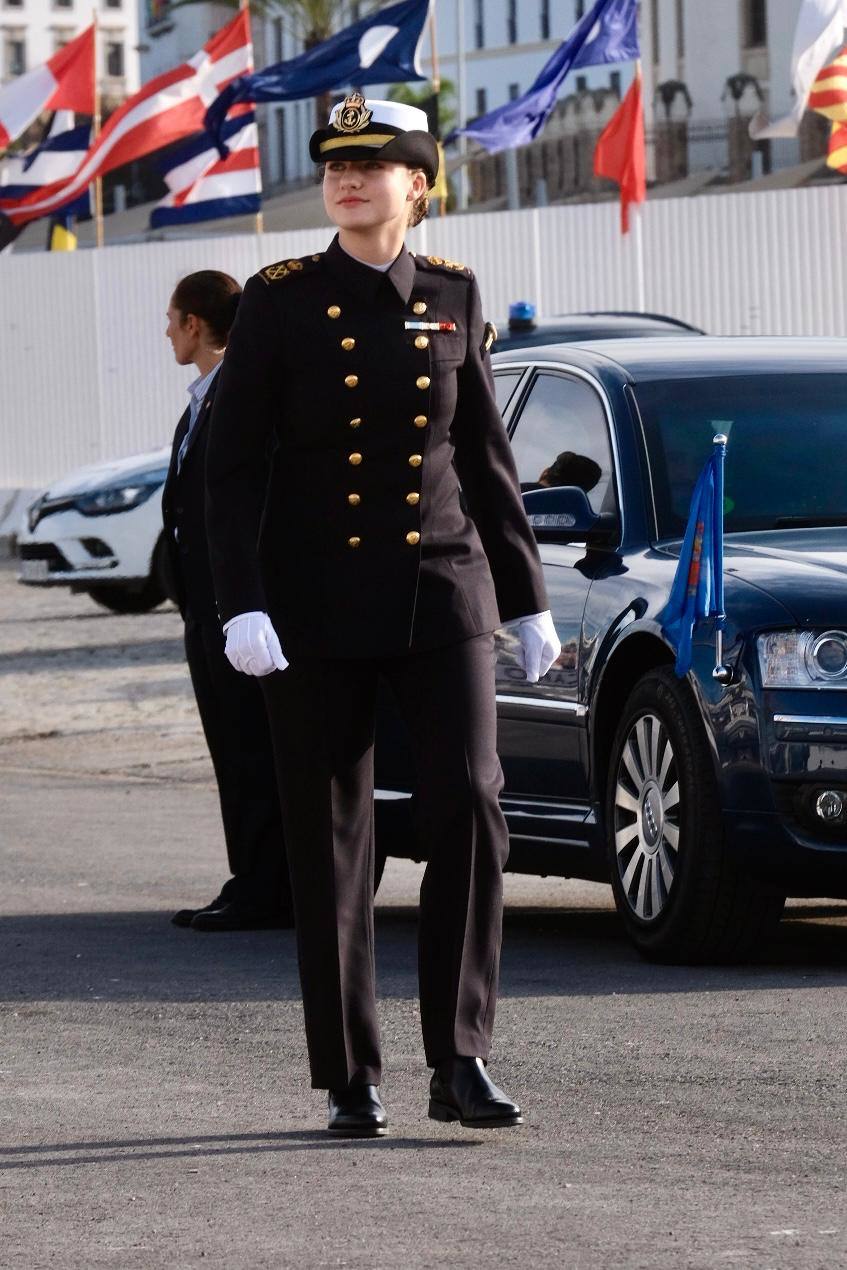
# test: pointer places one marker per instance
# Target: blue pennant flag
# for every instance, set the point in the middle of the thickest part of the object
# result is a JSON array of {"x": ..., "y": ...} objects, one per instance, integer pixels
[
  {"x": 607, "y": 33},
  {"x": 697, "y": 591},
  {"x": 380, "y": 49}
]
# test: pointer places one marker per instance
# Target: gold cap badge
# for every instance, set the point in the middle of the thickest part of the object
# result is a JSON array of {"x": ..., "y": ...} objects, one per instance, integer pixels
[{"x": 352, "y": 115}]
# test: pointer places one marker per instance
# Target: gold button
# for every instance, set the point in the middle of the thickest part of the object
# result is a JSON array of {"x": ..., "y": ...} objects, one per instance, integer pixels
[
  {"x": 354, "y": 499},
  {"x": 353, "y": 542},
  {"x": 354, "y": 459},
  {"x": 421, "y": 341},
  {"x": 419, "y": 307},
  {"x": 422, "y": 381},
  {"x": 415, "y": 460},
  {"x": 421, "y": 421},
  {"x": 351, "y": 380},
  {"x": 413, "y": 538},
  {"x": 333, "y": 311},
  {"x": 355, "y": 423},
  {"x": 348, "y": 343},
  {"x": 413, "y": 499}
]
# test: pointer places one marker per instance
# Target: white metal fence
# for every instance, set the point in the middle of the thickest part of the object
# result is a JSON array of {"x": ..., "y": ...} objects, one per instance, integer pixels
[{"x": 87, "y": 374}]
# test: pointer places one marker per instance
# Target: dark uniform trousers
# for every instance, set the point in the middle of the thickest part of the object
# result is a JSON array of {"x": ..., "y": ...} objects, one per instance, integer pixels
[
  {"x": 231, "y": 705},
  {"x": 324, "y": 712},
  {"x": 352, "y": 406}
]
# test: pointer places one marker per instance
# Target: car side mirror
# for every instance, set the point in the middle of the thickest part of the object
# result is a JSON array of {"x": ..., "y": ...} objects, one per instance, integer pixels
[{"x": 562, "y": 513}]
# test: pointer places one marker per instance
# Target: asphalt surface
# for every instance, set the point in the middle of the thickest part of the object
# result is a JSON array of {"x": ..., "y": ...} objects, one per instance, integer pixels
[{"x": 155, "y": 1101}]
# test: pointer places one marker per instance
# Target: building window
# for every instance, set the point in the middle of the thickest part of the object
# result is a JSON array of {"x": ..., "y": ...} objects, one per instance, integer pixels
[
  {"x": 13, "y": 4},
  {"x": 512, "y": 22},
  {"x": 755, "y": 24},
  {"x": 580, "y": 9},
  {"x": 544, "y": 19},
  {"x": 15, "y": 58},
  {"x": 114, "y": 4},
  {"x": 61, "y": 38},
  {"x": 514, "y": 92},
  {"x": 279, "y": 40},
  {"x": 481, "y": 101},
  {"x": 479, "y": 24},
  {"x": 582, "y": 83},
  {"x": 615, "y": 82},
  {"x": 680, "y": 30},
  {"x": 654, "y": 29},
  {"x": 355, "y": 11},
  {"x": 115, "y": 59}
]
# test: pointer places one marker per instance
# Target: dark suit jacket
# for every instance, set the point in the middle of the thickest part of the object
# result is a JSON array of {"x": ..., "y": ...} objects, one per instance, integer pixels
[
  {"x": 353, "y": 536},
  {"x": 184, "y": 510}
]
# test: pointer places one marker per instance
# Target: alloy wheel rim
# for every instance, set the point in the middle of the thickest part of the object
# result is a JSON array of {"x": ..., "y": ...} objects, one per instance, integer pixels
[{"x": 646, "y": 822}]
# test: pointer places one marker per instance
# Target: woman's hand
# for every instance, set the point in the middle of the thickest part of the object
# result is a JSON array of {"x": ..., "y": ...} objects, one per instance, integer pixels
[
  {"x": 252, "y": 645},
  {"x": 539, "y": 645}
]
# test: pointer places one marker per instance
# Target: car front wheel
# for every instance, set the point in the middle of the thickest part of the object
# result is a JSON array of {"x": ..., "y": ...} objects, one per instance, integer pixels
[{"x": 678, "y": 885}]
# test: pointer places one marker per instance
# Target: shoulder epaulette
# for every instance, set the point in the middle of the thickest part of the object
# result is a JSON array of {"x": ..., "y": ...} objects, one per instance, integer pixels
[
  {"x": 452, "y": 265},
  {"x": 287, "y": 268}
]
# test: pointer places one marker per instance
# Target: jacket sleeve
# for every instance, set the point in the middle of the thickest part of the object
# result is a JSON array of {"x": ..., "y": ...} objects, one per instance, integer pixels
[
  {"x": 486, "y": 470},
  {"x": 237, "y": 464}
]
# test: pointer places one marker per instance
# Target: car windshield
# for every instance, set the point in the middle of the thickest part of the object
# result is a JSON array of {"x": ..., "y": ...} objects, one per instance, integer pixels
[{"x": 785, "y": 458}]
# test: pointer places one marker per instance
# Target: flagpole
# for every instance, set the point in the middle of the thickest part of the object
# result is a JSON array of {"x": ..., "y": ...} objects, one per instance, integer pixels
[
  {"x": 244, "y": 6},
  {"x": 98, "y": 184},
  {"x": 638, "y": 227},
  {"x": 461, "y": 171},
  {"x": 436, "y": 88}
]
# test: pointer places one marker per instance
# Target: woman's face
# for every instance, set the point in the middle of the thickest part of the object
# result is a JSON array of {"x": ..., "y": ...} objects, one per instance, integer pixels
[
  {"x": 363, "y": 194},
  {"x": 183, "y": 331}
]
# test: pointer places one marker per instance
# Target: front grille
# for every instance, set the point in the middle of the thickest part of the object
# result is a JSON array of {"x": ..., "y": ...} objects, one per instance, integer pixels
[{"x": 56, "y": 562}]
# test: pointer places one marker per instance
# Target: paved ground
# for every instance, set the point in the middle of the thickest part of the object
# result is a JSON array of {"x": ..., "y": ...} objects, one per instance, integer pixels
[{"x": 154, "y": 1097}]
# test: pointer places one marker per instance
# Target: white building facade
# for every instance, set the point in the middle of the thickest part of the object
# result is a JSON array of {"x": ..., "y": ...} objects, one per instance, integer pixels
[{"x": 31, "y": 31}]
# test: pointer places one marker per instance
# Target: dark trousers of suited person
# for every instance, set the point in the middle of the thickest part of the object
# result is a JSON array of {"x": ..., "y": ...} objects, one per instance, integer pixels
[
  {"x": 322, "y": 722},
  {"x": 235, "y": 723}
]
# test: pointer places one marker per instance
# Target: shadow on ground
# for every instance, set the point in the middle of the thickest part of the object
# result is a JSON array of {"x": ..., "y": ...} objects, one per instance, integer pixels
[{"x": 141, "y": 957}]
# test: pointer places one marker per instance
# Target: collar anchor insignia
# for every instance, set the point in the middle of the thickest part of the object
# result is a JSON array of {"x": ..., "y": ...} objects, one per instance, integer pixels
[{"x": 352, "y": 115}]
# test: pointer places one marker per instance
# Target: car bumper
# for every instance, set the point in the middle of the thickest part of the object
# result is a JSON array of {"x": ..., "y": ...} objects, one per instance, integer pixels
[{"x": 69, "y": 549}]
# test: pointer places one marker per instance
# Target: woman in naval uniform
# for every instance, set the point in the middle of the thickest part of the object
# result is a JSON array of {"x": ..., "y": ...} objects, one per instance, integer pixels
[{"x": 355, "y": 399}]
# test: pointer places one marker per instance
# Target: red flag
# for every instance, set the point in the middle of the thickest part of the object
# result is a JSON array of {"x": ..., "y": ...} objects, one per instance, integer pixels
[
  {"x": 621, "y": 154},
  {"x": 166, "y": 109},
  {"x": 64, "y": 82}
]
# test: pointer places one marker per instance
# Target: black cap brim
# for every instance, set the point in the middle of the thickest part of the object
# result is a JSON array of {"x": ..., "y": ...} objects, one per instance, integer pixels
[{"x": 416, "y": 148}]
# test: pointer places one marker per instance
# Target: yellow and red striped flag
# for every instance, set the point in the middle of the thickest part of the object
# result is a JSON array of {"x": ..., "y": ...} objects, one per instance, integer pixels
[{"x": 829, "y": 98}]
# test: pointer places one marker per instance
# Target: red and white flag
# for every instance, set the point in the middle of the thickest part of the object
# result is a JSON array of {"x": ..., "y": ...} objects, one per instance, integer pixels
[
  {"x": 64, "y": 82},
  {"x": 203, "y": 186},
  {"x": 170, "y": 107}
]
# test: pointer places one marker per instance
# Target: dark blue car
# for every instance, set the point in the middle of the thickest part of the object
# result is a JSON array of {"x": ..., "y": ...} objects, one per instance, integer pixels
[{"x": 704, "y": 803}]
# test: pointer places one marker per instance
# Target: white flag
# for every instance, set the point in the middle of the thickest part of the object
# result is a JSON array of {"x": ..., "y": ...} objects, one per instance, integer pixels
[{"x": 819, "y": 33}]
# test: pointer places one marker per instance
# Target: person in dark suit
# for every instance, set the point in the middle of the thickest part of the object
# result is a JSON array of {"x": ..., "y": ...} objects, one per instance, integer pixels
[
  {"x": 231, "y": 705},
  {"x": 367, "y": 367}
]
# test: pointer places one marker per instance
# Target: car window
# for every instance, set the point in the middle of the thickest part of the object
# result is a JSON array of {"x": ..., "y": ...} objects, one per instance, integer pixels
[
  {"x": 561, "y": 439},
  {"x": 505, "y": 384}
]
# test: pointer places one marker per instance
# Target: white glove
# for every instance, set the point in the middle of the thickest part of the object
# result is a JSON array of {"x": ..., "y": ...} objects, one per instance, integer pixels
[
  {"x": 252, "y": 645},
  {"x": 539, "y": 645}
]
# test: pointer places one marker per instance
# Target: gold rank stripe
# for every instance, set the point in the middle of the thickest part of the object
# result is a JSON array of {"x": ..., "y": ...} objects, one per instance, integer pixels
[{"x": 373, "y": 139}]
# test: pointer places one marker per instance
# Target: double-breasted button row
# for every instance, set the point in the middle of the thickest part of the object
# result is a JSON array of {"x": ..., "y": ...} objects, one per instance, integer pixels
[
  {"x": 351, "y": 380},
  {"x": 348, "y": 343}
]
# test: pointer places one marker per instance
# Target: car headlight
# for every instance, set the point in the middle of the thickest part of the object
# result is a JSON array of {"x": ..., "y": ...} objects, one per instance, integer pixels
[
  {"x": 119, "y": 498},
  {"x": 803, "y": 659}
]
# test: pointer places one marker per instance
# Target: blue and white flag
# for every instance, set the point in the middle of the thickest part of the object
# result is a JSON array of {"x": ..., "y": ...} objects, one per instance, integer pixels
[
  {"x": 56, "y": 159},
  {"x": 607, "y": 33},
  {"x": 383, "y": 48},
  {"x": 697, "y": 589},
  {"x": 204, "y": 186}
]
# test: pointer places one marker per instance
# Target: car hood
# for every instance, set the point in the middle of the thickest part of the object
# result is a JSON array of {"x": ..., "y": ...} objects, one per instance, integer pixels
[
  {"x": 804, "y": 570},
  {"x": 97, "y": 475}
]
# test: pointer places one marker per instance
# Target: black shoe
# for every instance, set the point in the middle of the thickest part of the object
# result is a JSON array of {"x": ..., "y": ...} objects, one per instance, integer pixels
[
  {"x": 357, "y": 1113},
  {"x": 185, "y": 916},
  {"x": 460, "y": 1090},
  {"x": 235, "y": 916}
]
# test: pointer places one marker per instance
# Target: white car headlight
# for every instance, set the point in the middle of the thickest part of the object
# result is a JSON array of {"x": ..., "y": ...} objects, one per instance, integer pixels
[{"x": 803, "y": 659}]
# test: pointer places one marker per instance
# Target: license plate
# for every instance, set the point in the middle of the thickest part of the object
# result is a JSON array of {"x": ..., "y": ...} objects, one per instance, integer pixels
[{"x": 34, "y": 570}]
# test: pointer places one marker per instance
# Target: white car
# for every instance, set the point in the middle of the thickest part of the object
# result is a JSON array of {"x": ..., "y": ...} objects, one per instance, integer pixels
[{"x": 100, "y": 530}]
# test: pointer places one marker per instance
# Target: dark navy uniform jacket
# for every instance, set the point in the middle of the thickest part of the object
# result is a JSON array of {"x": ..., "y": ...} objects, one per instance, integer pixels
[
  {"x": 339, "y": 439},
  {"x": 184, "y": 517}
]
